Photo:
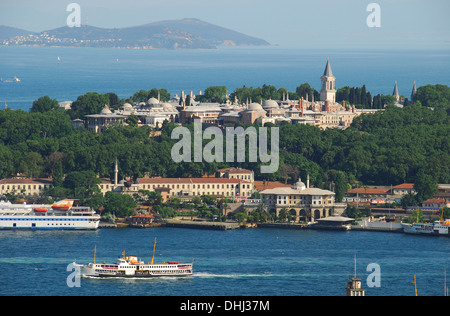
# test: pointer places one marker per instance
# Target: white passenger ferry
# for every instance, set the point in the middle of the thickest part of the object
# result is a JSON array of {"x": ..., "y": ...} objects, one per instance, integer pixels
[
  {"x": 60, "y": 215},
  {"x": 132, "y": 267},
  {"x": 440, "y": 228}
]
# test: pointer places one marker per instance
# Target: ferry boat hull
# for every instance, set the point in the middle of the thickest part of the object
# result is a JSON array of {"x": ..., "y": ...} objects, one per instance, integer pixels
[
  {"x": 142, "y": 271},
  {"x": 131, "y": 267},
  {"x": 438, "y": 228}
]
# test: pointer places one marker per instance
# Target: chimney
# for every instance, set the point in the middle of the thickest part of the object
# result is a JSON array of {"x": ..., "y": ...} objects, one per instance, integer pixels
[{"x": 307, "y": 181}]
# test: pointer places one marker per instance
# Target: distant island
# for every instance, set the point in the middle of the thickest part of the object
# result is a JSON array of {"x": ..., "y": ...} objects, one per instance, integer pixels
[{"x": 172, "y": 34}]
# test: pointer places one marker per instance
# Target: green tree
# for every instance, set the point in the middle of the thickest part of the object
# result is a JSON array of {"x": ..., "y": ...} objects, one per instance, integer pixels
[
  {"x": 44, "y": 104},
  {"x": 121, "y": 205},
  {"x": 89, "y": 103},
  {"x": 82, "y": 184},
  {"x": 425, "y": 185}
]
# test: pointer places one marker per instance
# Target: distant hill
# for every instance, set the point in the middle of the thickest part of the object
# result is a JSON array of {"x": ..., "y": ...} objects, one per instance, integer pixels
[
  {"x": 7, "y": 32},
  {"x": 174, "y": 34}
]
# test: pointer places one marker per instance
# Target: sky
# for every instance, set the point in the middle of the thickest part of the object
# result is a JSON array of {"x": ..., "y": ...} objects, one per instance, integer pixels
[{"x": 309, "y": 24}]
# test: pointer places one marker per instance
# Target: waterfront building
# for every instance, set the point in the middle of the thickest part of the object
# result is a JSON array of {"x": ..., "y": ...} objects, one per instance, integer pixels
[
  {"x": 301, "y": 201},
  {"x": 25, "y": 186},
  {"x": 403, "y": 189},
  {"x": 185, "y": 187}
]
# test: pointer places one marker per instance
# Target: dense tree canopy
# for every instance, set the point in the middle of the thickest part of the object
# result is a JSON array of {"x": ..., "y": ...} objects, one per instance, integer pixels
[{"x": 393, "y": 146}]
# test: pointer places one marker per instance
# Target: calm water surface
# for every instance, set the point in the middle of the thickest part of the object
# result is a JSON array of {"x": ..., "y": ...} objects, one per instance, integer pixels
[
  {"x": 241, "y": 262},
  {"x": 126, "y": 71}
]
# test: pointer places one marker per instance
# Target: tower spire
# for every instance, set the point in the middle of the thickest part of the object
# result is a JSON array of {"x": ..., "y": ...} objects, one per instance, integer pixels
[
  {"x": 328, "y": 90},
  {"x": 395, "y": 92},
  {"x": 414, "y": 91}
]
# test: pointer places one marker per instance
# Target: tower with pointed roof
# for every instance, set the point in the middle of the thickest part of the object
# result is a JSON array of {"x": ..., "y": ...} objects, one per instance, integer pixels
[
  {"x": 395, "y": 92},
  {"x": 328, "y": 90}
]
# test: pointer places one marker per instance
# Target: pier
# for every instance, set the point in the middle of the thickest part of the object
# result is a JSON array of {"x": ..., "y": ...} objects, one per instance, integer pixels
[{"x": 200, "y": 224}]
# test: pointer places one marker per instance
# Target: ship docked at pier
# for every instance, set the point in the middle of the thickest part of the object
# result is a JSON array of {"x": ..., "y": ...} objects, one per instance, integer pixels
[
  {"x": 59, "y": 215},
  {"x": 132, "y": 267},
  {"x": 439, "y": 228}
]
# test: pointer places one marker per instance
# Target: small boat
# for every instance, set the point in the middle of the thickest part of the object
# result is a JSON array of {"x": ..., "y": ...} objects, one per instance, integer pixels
[
  {"x": 132, "y": 267},
  {"x": 15, "y": 79},
  {"x": 40, "y": 209},
  {"x": 63, "y": 205}
]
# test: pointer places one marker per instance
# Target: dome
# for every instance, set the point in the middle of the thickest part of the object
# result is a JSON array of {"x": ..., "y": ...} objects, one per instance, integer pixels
[
  {"x": 300, "y": 186},
  {"x": 270, "y": 104},
  {"x": 255, "y": 107},
  {"x": 167, "y": 107},
  {"x": 106, "y": 110},
  {"x": 152, "y": 101},
  {"x": 127, "y": 107}
]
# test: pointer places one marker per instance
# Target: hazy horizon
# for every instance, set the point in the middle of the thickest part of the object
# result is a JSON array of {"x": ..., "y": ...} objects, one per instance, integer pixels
[{"x": 320, "y": 24}]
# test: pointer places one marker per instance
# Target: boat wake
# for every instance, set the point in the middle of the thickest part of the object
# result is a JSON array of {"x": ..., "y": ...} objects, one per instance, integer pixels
[{"x": 207, "y": 275}]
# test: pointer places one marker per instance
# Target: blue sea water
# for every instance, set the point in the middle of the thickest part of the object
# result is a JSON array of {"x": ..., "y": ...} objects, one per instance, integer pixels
[
  {"x": 252, "y": 262},
  {"x": 242, "y": 262},
  {"x": 124, "y": 72}
]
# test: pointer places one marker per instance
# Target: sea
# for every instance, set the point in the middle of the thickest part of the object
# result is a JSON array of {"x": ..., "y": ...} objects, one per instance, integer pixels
[
  {"x": 249, "y": 262},
  {"x": 65, "y": 73},
  {"x": 246, "y": 262}
]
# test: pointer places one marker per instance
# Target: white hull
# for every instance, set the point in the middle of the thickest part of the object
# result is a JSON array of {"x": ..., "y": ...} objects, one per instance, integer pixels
[
  {"x": 135, "y": 271},
  {"x": 49, "y": 222},
  {"x": 29, "y": 216},
  {"x": 437, "y": 228}
]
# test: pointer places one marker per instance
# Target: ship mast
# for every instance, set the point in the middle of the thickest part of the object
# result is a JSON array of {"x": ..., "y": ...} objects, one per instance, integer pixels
[
  {"x": 95, "y": 251},
  {"x": 154, "y": 247},
  {"x": 415, "y": 284}
]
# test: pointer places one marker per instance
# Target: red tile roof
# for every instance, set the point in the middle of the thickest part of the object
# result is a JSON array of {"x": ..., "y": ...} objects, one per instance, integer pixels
[
  {"x": 234, "y": 170},
  {"x": 26, "y": 181},
  {"x": 368, "y": 191},
  {"x": 434, "y": 201},
  {"x": 190, "y": 180},
  {"x": 264, "y": 185},
  {"x": 404, "y": 186}
]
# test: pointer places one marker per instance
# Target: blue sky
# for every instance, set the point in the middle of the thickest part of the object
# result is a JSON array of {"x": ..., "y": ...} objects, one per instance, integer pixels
[{"x": 321, "y": 24}]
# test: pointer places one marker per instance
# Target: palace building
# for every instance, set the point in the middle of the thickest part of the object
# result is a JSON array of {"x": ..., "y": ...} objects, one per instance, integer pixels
[{"x": 301, "y": 201}]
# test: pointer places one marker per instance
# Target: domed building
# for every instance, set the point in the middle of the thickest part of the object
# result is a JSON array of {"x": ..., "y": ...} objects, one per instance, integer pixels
[
  {"x": 270, "y": 104},
  {"x": 127, "y": 107},
  {"x": 252, "y": 113},
  {"x": 97, "y": 122},
  {"x": 153, "y": 102},
  {"x": 273, "y": 109}
]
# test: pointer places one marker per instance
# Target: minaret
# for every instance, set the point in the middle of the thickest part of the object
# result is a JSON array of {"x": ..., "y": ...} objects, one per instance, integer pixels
[
  {"x": 395, "y": 92},
  {"x": 328, "y": 90},
  {"x": 116, "y": 173},
  {"x": 413, "y": 93}
]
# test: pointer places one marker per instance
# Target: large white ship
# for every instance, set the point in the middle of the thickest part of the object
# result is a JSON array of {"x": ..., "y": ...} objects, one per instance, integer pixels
[
  {"x": 60, "y": 215},
  {"x": 132, "y": 267}
]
